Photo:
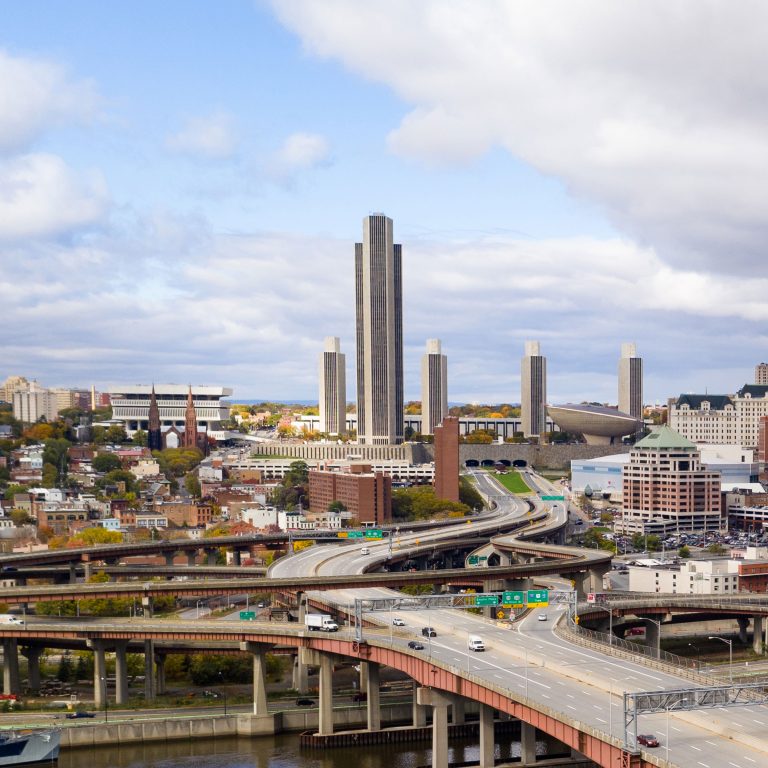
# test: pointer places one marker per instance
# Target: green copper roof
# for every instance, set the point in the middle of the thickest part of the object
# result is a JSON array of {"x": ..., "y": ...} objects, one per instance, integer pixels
[{"x": 664, "y": 439}]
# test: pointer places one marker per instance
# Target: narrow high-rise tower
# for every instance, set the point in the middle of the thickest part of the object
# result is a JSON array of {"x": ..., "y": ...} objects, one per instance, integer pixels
[
  {"x": 333, "y": 388},
  {"x": 189, "y": 438},
  {"x": 154, "y": 432},
  {"x": 434, "y": 387},
  {"x": 533, "y": 391},
  {"x": 379, "y": 302},
  {"x": 631, "y": 381},
  {"x": 761, "y": 374}
]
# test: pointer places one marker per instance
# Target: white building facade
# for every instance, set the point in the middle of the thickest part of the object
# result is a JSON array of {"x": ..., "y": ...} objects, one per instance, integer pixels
[{"x": 333, "y": 388}]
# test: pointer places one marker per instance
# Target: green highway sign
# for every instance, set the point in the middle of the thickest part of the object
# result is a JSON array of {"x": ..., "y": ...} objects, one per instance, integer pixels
[
  {"x": 487, "y": 600},
  {"x": 373, "y": 533},
  {"x": 247, "y": 615},
  {"x": 513, "y": 599},
  {"x": 355, "y": 535},
  {"x": 538, "y": 598},
  {"x": 553, "y": 498}
]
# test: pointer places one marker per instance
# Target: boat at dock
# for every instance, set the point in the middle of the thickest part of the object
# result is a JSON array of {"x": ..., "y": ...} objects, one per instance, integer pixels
[{"x": 27, "y": 747}]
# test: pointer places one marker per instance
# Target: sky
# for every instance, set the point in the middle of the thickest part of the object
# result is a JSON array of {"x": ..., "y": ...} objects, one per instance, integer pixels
[{"x": 182, "y": 184}]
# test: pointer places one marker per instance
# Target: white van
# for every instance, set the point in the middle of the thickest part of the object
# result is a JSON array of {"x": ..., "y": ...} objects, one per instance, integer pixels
[
  {"x": 475, "y": 643},
  {"x": 365, "y": 551}
]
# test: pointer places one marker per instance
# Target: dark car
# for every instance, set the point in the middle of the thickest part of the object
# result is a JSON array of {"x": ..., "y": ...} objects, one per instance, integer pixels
[
  {"x": 360, "y": 696},
  {"x": 305, "y": 703},
  {"x": 428, "y": 632},
  {"x": 78, "y": 715},
  {"x": 416, "y": 645},
  {"x": 648, "y": 740}
]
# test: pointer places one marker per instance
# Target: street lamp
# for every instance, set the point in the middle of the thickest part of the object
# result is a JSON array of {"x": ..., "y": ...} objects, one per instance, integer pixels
[
  {"x": 658, "y": 636},
  {"x": 610, "y": 621},
  {"x": 199, "y": 603},
  {"x": 730, "y": 654},
  {"x": 698, "y": 652},
  {"x": 106, "y": 699}
]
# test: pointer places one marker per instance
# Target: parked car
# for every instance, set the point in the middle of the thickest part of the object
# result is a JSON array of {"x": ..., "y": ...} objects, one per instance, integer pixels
[
  {"x": 305, "y": 703},
  {"x": 415, "y": 645},
  {"x": 647, "y": 740},
  {"x": 428, "y": 632},
  {"x": 79, "y": 714},
  {"x": 398, "y": 622}
]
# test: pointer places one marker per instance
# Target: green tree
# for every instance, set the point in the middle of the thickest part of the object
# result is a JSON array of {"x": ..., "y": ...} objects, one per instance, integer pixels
[
  {"x": 15, "y": 488},
  {"x": 66, "y": 671},
  {"x": 140, "y": 437},
  {"x": 469, "y": 495},
  {"x": 337, "y": 506},
  {"x": 84, "y": 666},
  {"x": 118, "y": 476},
  {"x": 297, "y": 474},
  {"x": 716, "y": 549},
  {"x": 21, "y": 517},
  {"x": 684, "y": 552},
  {"x": 50, "y": 475},
  {"x": 116, "y": 434},
  {"x": 192, "y": 484},
  {"x": 420, "y": 503},
  {"x": 106, "y": 462}
]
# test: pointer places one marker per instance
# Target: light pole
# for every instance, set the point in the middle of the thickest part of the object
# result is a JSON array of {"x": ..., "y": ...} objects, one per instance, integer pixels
[
  {"x": 199, "y": 603},
  {"x": 610, "y": 621},
  {"x": 698, "y": 652},
  {"x": 106, "y": 699},
  {"x": 730, "y": 654},
  {"x": 658, "y": 636}
]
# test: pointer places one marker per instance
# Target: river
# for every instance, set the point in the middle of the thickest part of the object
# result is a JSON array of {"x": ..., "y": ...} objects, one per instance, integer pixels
[{"x": 281, "y": 751}]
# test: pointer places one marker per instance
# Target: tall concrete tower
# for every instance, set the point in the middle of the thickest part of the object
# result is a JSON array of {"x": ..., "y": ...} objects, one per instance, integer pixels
[
  {"x": 761, "y": 373},
  {"x": 434, "y": 387},
  {"x": 379, "y": 299},
  {"x": 333, "y": 388},
  {"x": 631, "y": 381},
  {"x": 533, "y": 390}
]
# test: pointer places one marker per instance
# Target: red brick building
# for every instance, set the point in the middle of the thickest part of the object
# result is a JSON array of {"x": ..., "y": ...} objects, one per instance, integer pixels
[
  {"x": 367, "y": 495},
  {"x": 447, "y": 459},
  {"x": 753, "y": 576}
]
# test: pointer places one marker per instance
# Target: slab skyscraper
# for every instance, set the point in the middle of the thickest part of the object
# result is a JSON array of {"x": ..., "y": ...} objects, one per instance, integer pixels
[
  {"x": 434, "y": 387},
  {"x": 533, "y": 390},
  {"x": 333, "y": 388},
  {"x": 379, "y": 302},
  {"x": 631, "y": 382}
]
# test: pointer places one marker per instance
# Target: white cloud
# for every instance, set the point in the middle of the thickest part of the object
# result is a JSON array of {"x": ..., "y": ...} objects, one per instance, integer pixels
[
  {"x": 213, "y": 136},
  {"x": 171, "y": 296},
  {"x": 40, "y": 196},
  {"x": 656, "y": 111},
  {"x": 35, "y": 95},
  {"x": 299, "y": 152}
]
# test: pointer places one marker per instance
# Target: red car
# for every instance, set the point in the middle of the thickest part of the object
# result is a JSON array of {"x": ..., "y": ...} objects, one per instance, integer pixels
[{"x": 648, "y": 740}]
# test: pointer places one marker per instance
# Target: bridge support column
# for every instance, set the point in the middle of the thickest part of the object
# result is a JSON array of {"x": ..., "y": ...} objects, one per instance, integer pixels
[
  {"x": 148, "y": 607},
  {"x": 149, "y": 672},
  {"x": 87, "y": 571},
  {"x": 419, "y": 712},
  {"x": 757, "y": 634},
  {"x": 121, "y": 673},
  {"x": 210, "y": 555},
  {"x": 33, "y": 667},
  {"x": 72, "y": 573},
  {"x": 301, "y": 603},
  {"x": 169, "y": 558},
  {"x": 527, "y": 743},
  {"x": 458, "y": 710},
  {"x": 191, "y": 558},
  {"x": 11, "y": 677},
  {"x": 487, "y": 740},
  {"x": 652, "y": 633},
  {"x": 374, "y": 695},
  {"x": 743, "y": 622},
  {"x": 237, "y": 557},
  {"x": 325, "y": 692},
  {"x": 439, "y": 702},
  {"x": 364, "y": 677},
  {"x": 300, "y": 675},
  {"x": 259, "y": 651},
  {"x": 99, "y": 673},
  {"x": 160, "y": 677}
]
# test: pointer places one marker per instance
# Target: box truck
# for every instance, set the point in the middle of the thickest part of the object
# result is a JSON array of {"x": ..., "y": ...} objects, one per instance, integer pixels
[{"x": 320, "y": 621}]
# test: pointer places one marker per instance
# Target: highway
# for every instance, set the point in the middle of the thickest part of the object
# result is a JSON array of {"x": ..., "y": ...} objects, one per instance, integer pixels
[{"x": 534, "y": 663}]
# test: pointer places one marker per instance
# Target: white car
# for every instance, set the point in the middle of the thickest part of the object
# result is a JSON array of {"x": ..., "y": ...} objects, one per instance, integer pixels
[
  {"x": 398, "y": 622},
  {"x": 542, "y": 617}
]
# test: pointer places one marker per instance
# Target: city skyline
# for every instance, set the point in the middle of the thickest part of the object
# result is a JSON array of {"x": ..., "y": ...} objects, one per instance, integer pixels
[{"x": 180, "y": 207}]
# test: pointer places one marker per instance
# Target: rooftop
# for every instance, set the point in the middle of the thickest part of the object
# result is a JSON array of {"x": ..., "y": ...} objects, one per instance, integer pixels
[{"x": 666, "y": 438}]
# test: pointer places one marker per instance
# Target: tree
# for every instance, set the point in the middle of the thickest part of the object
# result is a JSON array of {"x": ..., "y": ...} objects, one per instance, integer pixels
[
  {"x": 420, "y": 503},
  {"x": 140, "y": 437},
  {"x": 21, "y": 517},
  {"x": 118, "y": 476},
  {"x": 715, "y": 549},
  {"x": 116, "y": 434},
  {"x": 192, "y": 484},
  {"x": 106, "y": 462},
  {"x": 66, "y": 671},
  {"x": 297, "y": 474},
  {"x": 480, "y": 436},
  {"x": 337, "y": 506},
  {"x": 50, "y": 474},
  {"x": 15, "y": 488},
  {"x": 469, "y": 495},
  {"x": 684, "y": 552}
]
